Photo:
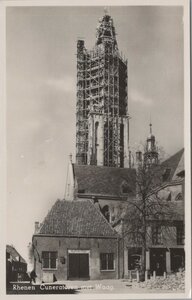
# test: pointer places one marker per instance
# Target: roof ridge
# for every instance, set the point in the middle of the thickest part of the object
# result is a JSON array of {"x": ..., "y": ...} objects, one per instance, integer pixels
[
  {"x": 76, "y": 217},
  {"x": 101, "y": 167},
  {"x": 181, "y": 151}
]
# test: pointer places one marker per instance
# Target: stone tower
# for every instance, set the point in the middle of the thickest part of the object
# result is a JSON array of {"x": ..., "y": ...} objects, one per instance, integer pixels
[{"x": 102, "y": 121}]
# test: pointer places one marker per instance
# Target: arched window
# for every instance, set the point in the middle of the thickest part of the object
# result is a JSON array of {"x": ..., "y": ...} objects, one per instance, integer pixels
[
  {"x": 105, "y": 212},
  {"x": 125, "y": 189},
  {"x": 96, "y": 139}
]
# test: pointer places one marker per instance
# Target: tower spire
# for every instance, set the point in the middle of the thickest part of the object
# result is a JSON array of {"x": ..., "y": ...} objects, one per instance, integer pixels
[
  {"x": 151, "y": 153},
  {"x": 106, "y": 10},
  {"x": 150, "y": 124},
  {"x": 106, "y": 30}
]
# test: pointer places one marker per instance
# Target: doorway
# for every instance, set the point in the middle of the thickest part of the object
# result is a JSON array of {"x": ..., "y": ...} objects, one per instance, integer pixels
[
  {"x": 158, "y": 261},
  {"x": 177, "y": 259},
  {"x": 78, "y": 266}
]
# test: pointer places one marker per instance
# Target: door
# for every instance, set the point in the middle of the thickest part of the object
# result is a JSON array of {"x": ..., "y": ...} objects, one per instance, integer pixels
[
  {"x": 177, "y": 259},
  {"x": 158, "y": 261},
  {"x": 78, "y": 266}
]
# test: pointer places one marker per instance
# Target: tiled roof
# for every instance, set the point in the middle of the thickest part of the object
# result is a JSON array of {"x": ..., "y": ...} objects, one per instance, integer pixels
[
  {"x": 76, "y": 218},
  {"x": 99, "y": 180},
  {"x": 175, "y": 163},
  {"x": 14, "y": 254}
]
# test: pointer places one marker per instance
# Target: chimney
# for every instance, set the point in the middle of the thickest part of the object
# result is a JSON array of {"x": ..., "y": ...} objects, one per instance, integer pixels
[{"x": 37, "y": 226}]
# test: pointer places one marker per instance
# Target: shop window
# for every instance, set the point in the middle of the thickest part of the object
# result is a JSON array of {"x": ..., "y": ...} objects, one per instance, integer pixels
[
  {"x": 180, "y": 235},
  {"x": 157, "y": 235},
  {"x": 107, "y": 261},
  {"x": 49, "y": 259}
]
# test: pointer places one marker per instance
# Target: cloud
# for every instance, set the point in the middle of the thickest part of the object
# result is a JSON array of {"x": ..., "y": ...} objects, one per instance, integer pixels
[
  {"x": 139, "y": 98},
  {"x": 65, "y": 84}
]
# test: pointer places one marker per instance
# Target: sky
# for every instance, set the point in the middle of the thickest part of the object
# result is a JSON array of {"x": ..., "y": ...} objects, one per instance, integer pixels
[{"x": 41, "y": 96}]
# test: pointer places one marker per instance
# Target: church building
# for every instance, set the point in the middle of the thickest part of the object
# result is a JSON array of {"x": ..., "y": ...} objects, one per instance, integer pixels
[
  {"x": 101, "y": 171},
  {"x": 81, "y": 237}
]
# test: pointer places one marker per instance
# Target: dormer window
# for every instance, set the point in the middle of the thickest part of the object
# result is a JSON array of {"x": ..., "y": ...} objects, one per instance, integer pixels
[{"x": 82, "y": 191}]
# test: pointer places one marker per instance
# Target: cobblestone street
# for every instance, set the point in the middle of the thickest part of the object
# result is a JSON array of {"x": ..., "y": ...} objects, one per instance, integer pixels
[{"x": 120, "y": 286}]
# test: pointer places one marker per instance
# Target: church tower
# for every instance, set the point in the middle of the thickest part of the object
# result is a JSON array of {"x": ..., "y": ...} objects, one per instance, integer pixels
[
  {"x": 151, "y": 151},
  {"x": 102, "y": 121}
]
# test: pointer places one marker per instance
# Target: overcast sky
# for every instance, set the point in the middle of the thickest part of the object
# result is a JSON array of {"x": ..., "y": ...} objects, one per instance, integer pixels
[{"x": 41, "y": 96}]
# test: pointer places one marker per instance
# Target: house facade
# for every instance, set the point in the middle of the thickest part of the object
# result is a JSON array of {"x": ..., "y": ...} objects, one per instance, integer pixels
[
  {"x": 16, "y": 266},
  {"x": 75, "y": 241},
  {"x": 165, "y": 233}
]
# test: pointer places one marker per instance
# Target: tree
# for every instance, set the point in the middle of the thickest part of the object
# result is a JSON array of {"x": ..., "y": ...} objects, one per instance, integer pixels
[{"x": 147, "y": 211}]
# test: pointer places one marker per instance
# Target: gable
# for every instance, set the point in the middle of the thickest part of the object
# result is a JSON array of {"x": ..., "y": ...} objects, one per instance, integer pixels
[{"x": 76, "y": 218}]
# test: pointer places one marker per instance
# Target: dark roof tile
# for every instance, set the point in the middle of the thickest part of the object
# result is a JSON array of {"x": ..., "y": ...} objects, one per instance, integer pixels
[
  {"x": 76, "y": 218},
  {"x": 99, "y": 180},
  {"x": 173, "y": 163}
]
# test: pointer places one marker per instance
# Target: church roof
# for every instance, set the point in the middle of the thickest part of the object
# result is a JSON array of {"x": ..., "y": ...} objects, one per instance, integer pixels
[
  {"x": 175, "y": 164},
  {"x": 105, "y": 181},
  {"x": 76, "y": 218}
]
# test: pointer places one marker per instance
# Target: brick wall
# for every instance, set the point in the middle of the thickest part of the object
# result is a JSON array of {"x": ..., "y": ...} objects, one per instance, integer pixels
[{"x": 63, "y": 244}]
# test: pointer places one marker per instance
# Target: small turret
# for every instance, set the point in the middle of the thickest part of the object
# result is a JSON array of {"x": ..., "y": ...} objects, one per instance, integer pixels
[{"x": 151, "y": 151}]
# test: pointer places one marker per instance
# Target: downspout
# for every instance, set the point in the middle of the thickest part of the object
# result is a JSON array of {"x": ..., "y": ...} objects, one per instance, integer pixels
[{"x": 123, "y": 247}]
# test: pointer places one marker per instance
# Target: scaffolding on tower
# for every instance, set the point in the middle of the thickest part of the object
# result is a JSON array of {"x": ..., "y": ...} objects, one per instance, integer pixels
[{"x": 101, "y": 90}]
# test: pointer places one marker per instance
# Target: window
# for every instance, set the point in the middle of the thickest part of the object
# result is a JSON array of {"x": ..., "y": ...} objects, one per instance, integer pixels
[
  {"x": 105, "y": 212},
  {"x": 81, "y": 191},
  {"x": 125, "y": 189},
  {"x": 180, "y": 235},
  {"x": 49, "y": 259},
  {"x": 107, "y": 261},
  {"x": 169, "y": 197},
  {"x": 179, "y": 197},
  {"x": 166, "y": 174},
  {"x": 135, "y": 262},
  {"x": 157, "y": 235}
]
